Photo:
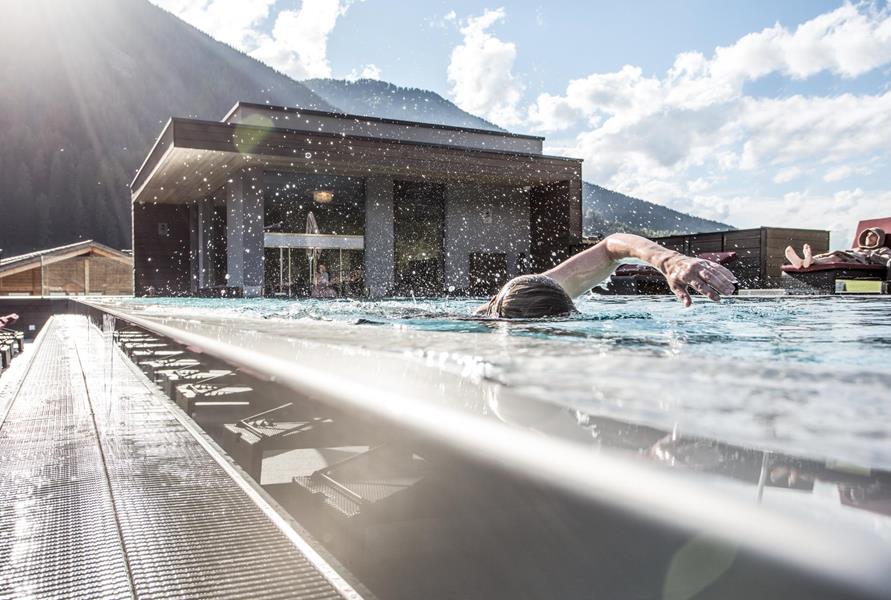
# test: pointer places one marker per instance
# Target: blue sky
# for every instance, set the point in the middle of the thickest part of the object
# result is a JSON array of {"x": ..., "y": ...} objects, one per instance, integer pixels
[{"x": 754, "y": 113}]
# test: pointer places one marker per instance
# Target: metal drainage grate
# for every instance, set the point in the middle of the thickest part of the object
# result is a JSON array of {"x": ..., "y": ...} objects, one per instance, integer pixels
[{"x": 104, "y": 493}]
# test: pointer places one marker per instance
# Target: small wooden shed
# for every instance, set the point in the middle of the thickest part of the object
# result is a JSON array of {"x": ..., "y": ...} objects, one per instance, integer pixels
[{"x": 81, "y": 268}]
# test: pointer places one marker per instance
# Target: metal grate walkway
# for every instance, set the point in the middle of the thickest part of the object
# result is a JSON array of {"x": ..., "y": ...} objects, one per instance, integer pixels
[{"x": 105, "y": 491}]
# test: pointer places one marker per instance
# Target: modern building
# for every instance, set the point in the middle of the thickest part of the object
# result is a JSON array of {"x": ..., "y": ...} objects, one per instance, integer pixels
[
  {"x": 82, "y": 268},
  {"x": 285, "y": 201}
]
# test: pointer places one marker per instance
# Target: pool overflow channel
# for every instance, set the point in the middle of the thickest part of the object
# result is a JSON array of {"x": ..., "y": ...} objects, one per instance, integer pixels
[
  {"x": 108, "y": 490},
  {"x": 196, "y": 469}
]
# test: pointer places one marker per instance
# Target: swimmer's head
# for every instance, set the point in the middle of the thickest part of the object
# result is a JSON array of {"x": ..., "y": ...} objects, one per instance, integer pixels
[
  {"x": 529, "y": 297},
  {"x": 871, "y": 238}
]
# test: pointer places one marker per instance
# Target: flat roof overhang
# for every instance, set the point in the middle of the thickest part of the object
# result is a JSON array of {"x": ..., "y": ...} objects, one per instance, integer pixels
[
  {"x": 193, "y": 158},
  {"x": 300, "y": 119}
]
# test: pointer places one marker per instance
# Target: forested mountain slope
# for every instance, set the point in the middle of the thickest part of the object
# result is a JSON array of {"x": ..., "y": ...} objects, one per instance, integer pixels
[
  {"x": 86, "y": 88},
  {"x": 382, "y": 99},
  {"x": 606, "y": 211}
]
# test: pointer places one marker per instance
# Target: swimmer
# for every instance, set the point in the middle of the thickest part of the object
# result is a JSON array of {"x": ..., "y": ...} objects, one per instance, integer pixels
[
  {"x": 871, "y": 249},
  {"x": 551, "y": 293}
]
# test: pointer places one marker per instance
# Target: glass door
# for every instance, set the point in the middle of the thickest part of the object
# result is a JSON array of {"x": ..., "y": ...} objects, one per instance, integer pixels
[{"x": 419, "y": 228}]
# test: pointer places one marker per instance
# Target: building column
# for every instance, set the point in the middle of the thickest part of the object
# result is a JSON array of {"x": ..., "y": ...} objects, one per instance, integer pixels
[
  {"x": 244, "y": 231},
  {"x": 194, "y": 248},
  {"x": 379, "y": 251},
  {"x": 205, "y": 243}
]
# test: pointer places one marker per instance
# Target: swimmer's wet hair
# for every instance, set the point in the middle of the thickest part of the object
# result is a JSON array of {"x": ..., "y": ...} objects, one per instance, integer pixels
[{"x": 529, "y": 297}]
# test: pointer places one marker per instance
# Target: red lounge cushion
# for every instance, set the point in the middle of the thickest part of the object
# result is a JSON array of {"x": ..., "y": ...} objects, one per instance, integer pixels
[{"x": 834, "y": 266}]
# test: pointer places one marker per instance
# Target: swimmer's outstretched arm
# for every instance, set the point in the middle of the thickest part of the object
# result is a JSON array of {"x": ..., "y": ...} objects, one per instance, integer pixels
[{"x": 586, "y": 269}]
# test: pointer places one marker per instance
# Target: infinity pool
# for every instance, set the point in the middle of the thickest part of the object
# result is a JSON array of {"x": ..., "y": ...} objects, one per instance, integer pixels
[{"x": 807, "y": 376}]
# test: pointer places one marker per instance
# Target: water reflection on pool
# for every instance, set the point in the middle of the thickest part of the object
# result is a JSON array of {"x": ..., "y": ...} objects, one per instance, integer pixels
[{"x": 807, "y": 376}]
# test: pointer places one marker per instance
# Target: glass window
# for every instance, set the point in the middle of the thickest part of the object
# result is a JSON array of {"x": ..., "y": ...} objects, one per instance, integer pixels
[
  {"x": 337, "y": 204},
  {"x": 419, "y": 211},
  {"x": 303, "y": 203}
]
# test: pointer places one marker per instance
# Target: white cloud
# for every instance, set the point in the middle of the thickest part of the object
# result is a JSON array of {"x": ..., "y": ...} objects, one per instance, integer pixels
[
  {"x": 232, "y": 21},
  {"x": 838, "y": 173},
  {"x": 814, "y": 128},
  {"x": 297, "y": 44},
  {"x": 848, "y": 41},
  {"x": 480, "y": 71},
  {"x": 553, "y": 113},
  {"x": 369, "y": 71},
  {"x": 662, "y": 138},
  {"x": 787, "y": 175},
  {"x": 714, "y": 207},
  {"x": 844, "y": 171}
]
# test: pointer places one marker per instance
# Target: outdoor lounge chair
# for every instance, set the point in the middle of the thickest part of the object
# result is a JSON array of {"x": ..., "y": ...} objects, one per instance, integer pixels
[
  {"x": 15, "y": 338},
  {"x": 11, "y": 344},
  {"x": 830, "y": 278},
  {"x": 644, "y": 279}
]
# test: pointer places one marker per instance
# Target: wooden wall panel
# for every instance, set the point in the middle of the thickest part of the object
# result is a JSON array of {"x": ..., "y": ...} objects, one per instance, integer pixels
[
  {"x": 678, "y": 243},
  {"x": 760, "y": 252},
  {"x": 26, "y": 282},
  {"x": 65, "y": 277},
  {"x": 69, "y": 277},
  {"x": 776, "y": 240},
  {"x": 110, "y": 277},
  {"x": 706, "y": 242}
]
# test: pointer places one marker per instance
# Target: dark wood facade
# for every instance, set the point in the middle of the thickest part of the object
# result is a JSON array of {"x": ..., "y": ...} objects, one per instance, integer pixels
[
  {"x": 162, "y": 254},
  {"x": 759, "y": 251},
  {"x": 555, "y": 224}
]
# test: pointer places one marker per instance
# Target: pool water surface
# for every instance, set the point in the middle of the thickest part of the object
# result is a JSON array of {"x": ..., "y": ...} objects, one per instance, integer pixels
[{"x": 808, "y": 376}]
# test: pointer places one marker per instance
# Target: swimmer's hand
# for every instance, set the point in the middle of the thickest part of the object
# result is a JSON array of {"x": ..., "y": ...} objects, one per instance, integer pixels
[{"x": 706, "y": 277}]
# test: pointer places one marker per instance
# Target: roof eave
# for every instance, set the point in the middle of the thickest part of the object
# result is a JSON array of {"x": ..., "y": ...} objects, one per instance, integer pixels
[{"x": 350, "y": 116}]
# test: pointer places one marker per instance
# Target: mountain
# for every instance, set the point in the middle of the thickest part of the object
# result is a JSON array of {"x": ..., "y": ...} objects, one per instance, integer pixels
[
  {"x": 382, "y": 99},
  {"x": 88, "y": 85},
  {"x": 605, "y": 211}
]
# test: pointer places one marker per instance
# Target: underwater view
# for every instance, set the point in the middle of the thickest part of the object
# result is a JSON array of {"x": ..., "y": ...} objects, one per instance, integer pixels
[{"x": 807, "y": 376}]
